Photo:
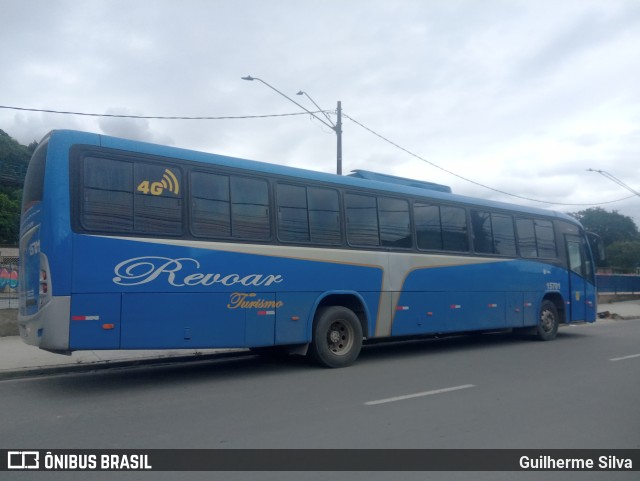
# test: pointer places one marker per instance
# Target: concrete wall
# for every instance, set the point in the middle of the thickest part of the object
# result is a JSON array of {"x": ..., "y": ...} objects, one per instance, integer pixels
[
  {"x": 8, "y": 322},
  {"x": 9, "y": 252}
]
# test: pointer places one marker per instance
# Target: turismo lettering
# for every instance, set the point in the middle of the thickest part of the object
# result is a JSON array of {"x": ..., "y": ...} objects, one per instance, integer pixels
[
  {"x": 245, "y": 300},
  {"x": 143, "y": 270}
]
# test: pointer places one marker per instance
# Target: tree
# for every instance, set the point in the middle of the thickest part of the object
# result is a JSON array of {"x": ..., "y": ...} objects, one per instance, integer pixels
[
  {"x": 14, "y": 159},
  {"x": 624, "y": 256},
  {"x": 610, "y": 226},
  {"x": 9, "y": 219}
]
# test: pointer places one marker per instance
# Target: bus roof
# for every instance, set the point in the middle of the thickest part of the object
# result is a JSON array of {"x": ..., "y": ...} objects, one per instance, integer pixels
[{"x": 376, "y": 182}]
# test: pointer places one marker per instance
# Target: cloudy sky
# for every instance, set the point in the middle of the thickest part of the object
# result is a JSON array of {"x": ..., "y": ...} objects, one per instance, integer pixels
[{"x": 519, "y": 96}]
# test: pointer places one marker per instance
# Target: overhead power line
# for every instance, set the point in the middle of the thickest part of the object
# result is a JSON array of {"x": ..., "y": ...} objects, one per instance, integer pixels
[
  {"x": 466, "y": 179},
  {"x": 611, "y": 177},
  {"x": 470, "y": 180},
  {"x": 154, "y": 117}
]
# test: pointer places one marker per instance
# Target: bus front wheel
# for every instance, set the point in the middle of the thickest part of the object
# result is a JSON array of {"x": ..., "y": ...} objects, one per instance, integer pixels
[
  {"x": 549, "y": 321},
  {"x": 337, "y": 337}
]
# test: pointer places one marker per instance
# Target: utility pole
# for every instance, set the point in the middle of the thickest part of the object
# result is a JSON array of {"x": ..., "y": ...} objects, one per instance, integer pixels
[
  {"x": 338, "y": 130},
  {"x": 337, "y": 127}
]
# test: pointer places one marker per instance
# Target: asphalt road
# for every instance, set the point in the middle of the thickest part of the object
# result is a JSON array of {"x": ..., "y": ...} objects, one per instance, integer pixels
[{"x": 491, "y": 391}]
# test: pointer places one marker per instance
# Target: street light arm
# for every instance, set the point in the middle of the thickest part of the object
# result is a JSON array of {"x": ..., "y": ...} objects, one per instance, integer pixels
[
  {"x": 250, "y": 78},
  {"x": 302, "y": 92},
  {"x": 337, "y": 127}
]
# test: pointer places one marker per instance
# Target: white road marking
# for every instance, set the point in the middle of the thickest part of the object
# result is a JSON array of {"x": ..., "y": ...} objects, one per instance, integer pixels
[
  {"x": 419, "y": 394},
  {"x": 624, "y": 357}
]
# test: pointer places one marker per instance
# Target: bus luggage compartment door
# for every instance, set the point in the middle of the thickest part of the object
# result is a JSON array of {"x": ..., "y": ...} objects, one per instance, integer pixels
[
  {"x": 293, "y": 316},
  {"x": 194, "y": 320},
  {"x": 95, "y": 321}
]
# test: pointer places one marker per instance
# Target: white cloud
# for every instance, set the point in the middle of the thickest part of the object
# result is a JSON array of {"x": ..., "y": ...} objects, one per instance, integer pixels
[{"x": 130, "y": 128}]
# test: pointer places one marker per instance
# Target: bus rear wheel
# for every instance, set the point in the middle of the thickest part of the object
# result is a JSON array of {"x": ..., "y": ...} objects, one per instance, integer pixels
[
  {"x": 549, "y": 321},
  {"x": 337, "y": 337}
]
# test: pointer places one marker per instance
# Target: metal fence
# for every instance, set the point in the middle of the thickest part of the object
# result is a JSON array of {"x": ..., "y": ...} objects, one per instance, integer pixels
[{"x": 618, "y": 283}]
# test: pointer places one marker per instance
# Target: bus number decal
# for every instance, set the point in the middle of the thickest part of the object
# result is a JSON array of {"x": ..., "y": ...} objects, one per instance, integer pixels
[
  {"x": 553, "y": 286},
  {"x": 34, "y": 248}
]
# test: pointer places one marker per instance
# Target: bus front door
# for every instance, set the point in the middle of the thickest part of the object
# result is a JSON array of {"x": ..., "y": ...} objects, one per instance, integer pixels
[{"x": 578, "y": 274}]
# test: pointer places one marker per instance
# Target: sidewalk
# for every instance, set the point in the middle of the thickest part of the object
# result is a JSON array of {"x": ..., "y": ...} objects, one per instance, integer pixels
[
  {"x": 20, "y": 360},
  {"x": 621, "y": 310}
]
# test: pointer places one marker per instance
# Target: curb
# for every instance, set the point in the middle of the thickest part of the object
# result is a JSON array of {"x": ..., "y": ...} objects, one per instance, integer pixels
[{"x": 105, "y": 365}]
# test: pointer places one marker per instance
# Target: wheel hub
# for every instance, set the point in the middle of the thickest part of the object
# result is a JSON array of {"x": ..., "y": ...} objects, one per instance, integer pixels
[{"x": 334, "y": 336}]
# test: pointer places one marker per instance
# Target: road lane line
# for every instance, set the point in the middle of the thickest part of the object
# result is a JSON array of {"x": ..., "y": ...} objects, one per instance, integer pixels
[
  {"x": 418, "y": 394},
  {"x": 625, "y": 357}
]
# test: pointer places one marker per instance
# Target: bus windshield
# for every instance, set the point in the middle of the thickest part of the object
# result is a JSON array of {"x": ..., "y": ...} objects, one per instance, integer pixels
[{"x": 34, "y": 180}]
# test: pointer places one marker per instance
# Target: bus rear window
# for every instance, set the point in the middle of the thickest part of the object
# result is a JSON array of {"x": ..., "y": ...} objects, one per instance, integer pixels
[{"x": 34, "y": 180}]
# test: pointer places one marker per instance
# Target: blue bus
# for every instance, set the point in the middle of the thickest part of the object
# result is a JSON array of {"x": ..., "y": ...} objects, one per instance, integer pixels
[{"x": 130, "y": 245}]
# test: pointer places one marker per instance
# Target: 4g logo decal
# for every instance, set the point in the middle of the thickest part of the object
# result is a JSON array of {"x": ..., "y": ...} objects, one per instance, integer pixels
[{"x": 168, "y": 182}]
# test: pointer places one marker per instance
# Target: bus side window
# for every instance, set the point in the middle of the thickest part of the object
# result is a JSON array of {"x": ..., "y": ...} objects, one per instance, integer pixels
[
  {"x": 504, "y": 236},
  {"x": 210, "y": 205},
  {"x": 250, "y": 208},
  {"x": 107, "y": 195},
  {"x": 362, "y": 220},
  {"x": 482, "y": 232},
  {"x": 325, "y": 224},
  {"x": 308, "y": 215},
  {"x": 395, "y": 224},
  {"x": 454, "y": 229},
  {"x": 545, "y": 239},
  {"x": 157, "y": 206},
  {"x": 293, "y": 218},
  {"x": 441, "y": 227},
  {"x": 526, "y": 238},
  {"x": 428, "y": 227}
]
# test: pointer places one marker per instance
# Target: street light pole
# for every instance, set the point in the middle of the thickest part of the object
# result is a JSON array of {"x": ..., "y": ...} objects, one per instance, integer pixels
[{"x": 337, "y": 127}]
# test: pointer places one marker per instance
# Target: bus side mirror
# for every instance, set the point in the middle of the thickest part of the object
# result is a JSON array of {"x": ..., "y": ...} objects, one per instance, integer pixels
[{"x": 597, "y": 246}]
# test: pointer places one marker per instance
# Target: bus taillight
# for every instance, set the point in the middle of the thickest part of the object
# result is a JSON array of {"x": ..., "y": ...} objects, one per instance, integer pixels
[
  {"x": 44, "y": 281},
  {"x": 44, "y": 286}
]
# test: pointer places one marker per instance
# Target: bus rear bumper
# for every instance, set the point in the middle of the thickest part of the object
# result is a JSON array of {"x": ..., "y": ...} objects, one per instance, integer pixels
[{"x": 49, "y": 327}]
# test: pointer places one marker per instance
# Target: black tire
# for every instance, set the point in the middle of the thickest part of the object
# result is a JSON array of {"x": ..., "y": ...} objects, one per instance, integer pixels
[
  {"x": 548, "y": 322},
  {"x": 337, "y": 337}
]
